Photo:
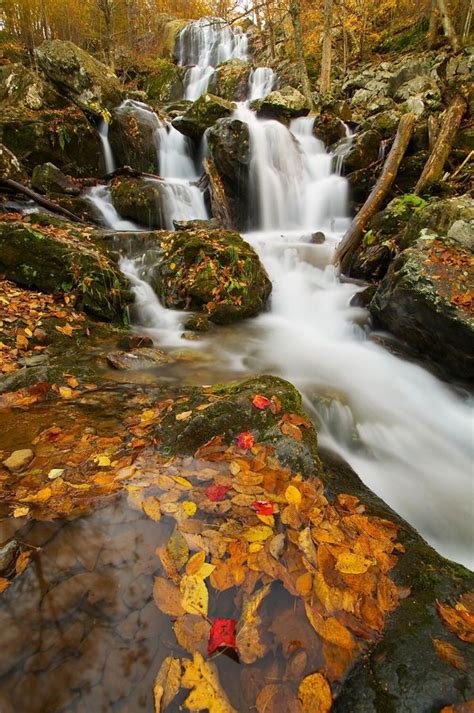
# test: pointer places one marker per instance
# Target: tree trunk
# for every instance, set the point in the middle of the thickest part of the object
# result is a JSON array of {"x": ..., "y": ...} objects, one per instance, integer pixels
[
  {"x": 447, "y": 23},
  {"x": 298, "y": 37},
  {"x": 433, "y": 169},
  {"x": 467, "y": 21},
  {"x": 44, "y": 202},
  {"x": 433, "y": 27},
  {"x": 105, "y": 7},
  {"x": 325, "y": 80},
  {"x": 353, "y": 238}
]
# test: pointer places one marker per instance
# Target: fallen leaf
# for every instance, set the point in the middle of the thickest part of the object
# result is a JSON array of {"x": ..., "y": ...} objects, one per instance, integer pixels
[
  {"x": 217, "y": 493},
  {"x": 351, "y": 563},
  {"x": 456, "y": 622},
  {"x": 245, "y": 440},
  {"x": 178, "y": 550},
  {"x": 189, "y": 508},
  {"x": 258, "y": 533},
  {"x": 315, "y": 694},
  {"x": 261, "y": 402},
  {"x": 263, "y": 507},
  {"x": 450, "y": 654},
  {"x": 293, "y": 495},
  {"x": 184, "y": 415},
  {"x": 194, "y": 594},
  {"x": 151, "y": 507},
  {"x": 4, "y": 584},
  {"x": 222, "y": 635},
  {"x": 167, "y": 597},
  {"x": 207, "y": 692},
  {"x": 167, "y": 683}
]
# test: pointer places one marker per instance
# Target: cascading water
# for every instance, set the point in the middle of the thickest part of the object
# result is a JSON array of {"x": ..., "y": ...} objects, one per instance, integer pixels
[
  {"x": 103, "y": 132},
  {"x": 261, "y": 82},
  {"x": 405, "y": 433},
  {"x": 203, "y": 45}
]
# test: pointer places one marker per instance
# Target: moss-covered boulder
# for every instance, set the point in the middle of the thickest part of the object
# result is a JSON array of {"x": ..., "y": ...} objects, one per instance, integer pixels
[
  {"x": 132, "y": 136},
  {"x": 55, "y": 256},
  {"x": 10, "y": 167},
  {"x": 203, "y": 113},
  {"x": 426, "y": 300},
  {"x": 77, "y": 75},
  {"x": 282, "y": 104},
  {"x": 22, "y": 87},
  {"x": 215, "y": 271},
  {"x": 452, "y": 217},
  {"x": 385, "y": 122},
  {"x": 161, "y": 79},
  {"x": 60, "y": 136},
  {"x": 140, "y": 200},
  {"x": 230, "y": 80},
  {"x": 48, "y": 178},
  {"x": 229, "y": 149}
]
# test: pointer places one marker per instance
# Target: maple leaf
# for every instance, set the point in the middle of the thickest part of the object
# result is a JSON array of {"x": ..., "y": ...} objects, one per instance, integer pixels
[
  {"x": 222, "y": 635},
  {"x": 245, "y": 440},
  {"x": 217, "y": 493},
  {"x": 260, "y": 401}
]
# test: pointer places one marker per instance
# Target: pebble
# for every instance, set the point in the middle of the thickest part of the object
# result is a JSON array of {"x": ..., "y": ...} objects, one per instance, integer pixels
[{"x": 18, "y": 460}]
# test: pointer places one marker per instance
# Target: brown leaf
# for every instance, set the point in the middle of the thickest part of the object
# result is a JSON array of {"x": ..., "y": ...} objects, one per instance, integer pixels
[
  {"x": 450, "y": 654},
  {"x": 167, "y": 597}
]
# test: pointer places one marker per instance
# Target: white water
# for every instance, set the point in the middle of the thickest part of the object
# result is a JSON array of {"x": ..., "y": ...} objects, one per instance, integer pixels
[
  {"x": 261, "y": 82},
  {"x": 407, "y": 434},
  {"x": 206, "y": 43},
  {"x": 108, "y": 155}
]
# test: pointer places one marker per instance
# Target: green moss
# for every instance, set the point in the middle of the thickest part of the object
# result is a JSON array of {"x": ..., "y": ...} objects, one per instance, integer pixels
[{"x": 407, "y": 201}]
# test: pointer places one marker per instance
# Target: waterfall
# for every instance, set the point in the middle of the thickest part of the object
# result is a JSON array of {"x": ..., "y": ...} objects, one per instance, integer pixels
[
  {"x": 103, "y": 131},
  {"x": 99, "y": 196},
  {"x": 204, "y": 44},
  {"x": 261, "y": 82}
]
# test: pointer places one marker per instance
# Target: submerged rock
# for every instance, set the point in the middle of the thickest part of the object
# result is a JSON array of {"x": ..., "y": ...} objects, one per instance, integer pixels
[
  {"x": 141, "y": 358},
  {"x": 18, "y": 460},
  {"x": 77, "y": 75},
  {"x": 197, "y": 323},
  {"x": 203, "y": 113},
  {"x": 48, "y": 178},
  {"x": 215, "y": 271},
  {"x": 230, "y": 80},
  {"x": 282, "y": 104},
  {"x": 55, "y": 256}
]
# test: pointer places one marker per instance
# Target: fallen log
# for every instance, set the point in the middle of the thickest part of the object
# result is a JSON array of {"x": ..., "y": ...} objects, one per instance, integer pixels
[
  {"x": 353, "y": 238},
  {"x": 131, "y": 173},
  {"x": 443, "y": 144},
  {"x": 41, "y": 200}
]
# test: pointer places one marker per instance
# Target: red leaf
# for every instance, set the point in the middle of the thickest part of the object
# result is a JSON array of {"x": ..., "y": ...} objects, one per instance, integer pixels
[
  {"x": 263, "y": 507},
  {"x": 260, "y": 401},
  {"x": 245, "y": 440},
  {"x": 216, "y": 493},
  {"x": 222, "y": 634}
]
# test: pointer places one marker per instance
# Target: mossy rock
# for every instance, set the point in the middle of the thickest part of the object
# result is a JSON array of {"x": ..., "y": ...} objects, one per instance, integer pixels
[
  {"x": 230, "y": 80},
  {"x": 63, "y": 137},
  {"x": 141, "y": 201},
  {"x": 282, "y": 104},
  {"x": 56, "y": 256},
  {"x": 10, "y": 167},
  {"x": 48, "y": 178},
  {"x": 328, "y": 128},
  {"x": 22, "y": 87},
  {"x": 162, "y": 80},
  {"x": 385, "y": 122},
  {"x": 132, "y": 138},
  {"x": 77, "y": 75},
  {"x": 203, "y": 113},
  {"x": 215, "y": 271}
]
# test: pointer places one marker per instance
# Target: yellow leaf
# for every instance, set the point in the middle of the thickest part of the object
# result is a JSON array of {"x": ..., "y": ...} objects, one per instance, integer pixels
[
  {"x": 40, "y": 497},
  {"x": 72, "y": 382},
  {"x": 194, "y": 594},
  {"x": 293, "y": 495},
  {"x": 207, "y": 692},
  {"x": 21, "y": 511},
  {"x": 182, "y": 481},
  {"x": 103, "y": 461},
  {"x": 258, "y": 533},
  {"x": 148, "y": 415},
  {"x": 255, "y": 547},
  {"x": 350, "y": 563},
  {"x": 167, "y": 683},
  {"x": 151, "y": 507},
  {"x": 66, "y": 393},
  {"x": 67, "y": 330},
  {"x": 304, "y": 584},
  {"x": 315, "y": 694},
  {"x": 267, "y": 519},
  {"x": 195, "y": 562},
  {"x": 183, "y": 416},
  {"x": 189, "y": 507},
  {"x": 178, "y": 550},
  {"x": 250, "y": 639}
]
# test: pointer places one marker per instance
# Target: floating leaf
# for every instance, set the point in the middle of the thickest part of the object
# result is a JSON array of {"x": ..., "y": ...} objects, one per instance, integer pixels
[
  {"x": 315, "y": 694},
  {"x": 263, "y": 507},
  {"x": 258, "y": 533},
  {"x": 250, "y": 641},
  {"x": 192, "y": 632},
  {"x": 217, "y": 493},
  {"x": 151, "y": 507},
  {"x": 177, "y": 549},
  {"x": 194, "y": 594},
  {"x": 167, "y": 683},
  {"x": 207, "y": 693},
  {"x": 189, "y": 508},
  {"x": 222, "y": 635},
  {"x": 167, "y": 597}
]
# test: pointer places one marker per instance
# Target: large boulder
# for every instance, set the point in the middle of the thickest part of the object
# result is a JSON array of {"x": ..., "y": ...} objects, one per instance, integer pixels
[
  {"x": 77, "y": 75},
  {"x": 230, "y": 80},
  {"x": 161, "y": 79},
  {"x": 22, "y": 87},
  {"x": 215, "y": 271},
  {"x": 361, "y": 152},
  {"x": 426, "y": 296},
  {"x": 203, "y": 113},
  {"x": 328, "y": 128},
  {"x": 10, "y": 167},
  {"x": 229, "y": 149},
  {"x": 56, "y": 256},
  {"x": 142, "y": 201},
  {"x": 282, "y": 104},
  {"x": 132, "y": 136}
]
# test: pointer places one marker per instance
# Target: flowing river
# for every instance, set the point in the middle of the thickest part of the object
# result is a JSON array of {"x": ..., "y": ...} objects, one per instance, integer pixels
[{"x": 405, "y": 432}]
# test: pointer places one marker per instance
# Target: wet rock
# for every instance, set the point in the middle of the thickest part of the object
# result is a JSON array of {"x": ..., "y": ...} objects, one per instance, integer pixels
[
  {"x": 48, "y": 178},
  {"x": 18, "y": 460},
  {"x": 77, "y": 75},
  {"x": 197, "y": 323},
  {"x": 161, "y": 80},
  {"x": 385, "y": 122},
  {"x": 132, "y": 136},
  {"x": 230, "y": 80},
  {"x": 318, "y": 238},
  {"x": 328, "y": 128},
  {"x": 215, "y": 271},
  {"x": 63, "y": 260},
  {"x": 211, "y": 224},
  {"x": 141, "y": 200},
  {"x": 282, "y": 104},
  {"x": 227, "y": 170},
  {"x": 10, "y": 167},
  {"x": 177, "y": 108},
  {"x": 453, "y": 217},
  {"x": 135, "y": 341},
  {"x": 203, "y": 113},
  {"x": 144, "y": 358},
  {"x": 18, "y": 642},
  {"x": 24, "y": 88},
  {"x": 8, "y": 554},
  {"x": 362, "y": 152}
]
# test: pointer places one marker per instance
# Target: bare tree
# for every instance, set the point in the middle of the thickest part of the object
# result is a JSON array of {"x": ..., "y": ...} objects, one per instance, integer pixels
[
  {"x": 325, "y": 79},
  {"x": 295, "y": 13}
]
